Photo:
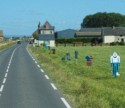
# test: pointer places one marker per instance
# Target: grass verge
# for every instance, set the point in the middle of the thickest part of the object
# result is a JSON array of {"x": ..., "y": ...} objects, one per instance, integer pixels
[{"x": 83, "y": 86}]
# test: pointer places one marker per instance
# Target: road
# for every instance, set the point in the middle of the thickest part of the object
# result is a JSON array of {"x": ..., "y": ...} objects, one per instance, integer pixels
[{"x": 24, "y": 84}]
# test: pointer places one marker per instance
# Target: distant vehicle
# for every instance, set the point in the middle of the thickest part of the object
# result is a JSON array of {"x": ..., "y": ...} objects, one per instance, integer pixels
[{"x": 18, "y": 42}]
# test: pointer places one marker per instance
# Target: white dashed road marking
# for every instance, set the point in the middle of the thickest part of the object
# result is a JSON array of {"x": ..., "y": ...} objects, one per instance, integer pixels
[
  {"x": 4, "y": 80},
  {"x": 54, "y": 87},
  {"x": 1, "y": 89},
  {"x": 46, "y": 77},
  {"x": 7, "y": 70},
  {"x": 42, "y": 70},
  {"x": 38, "y": 66},
  {"x": 65, "y": 102},
  {"x": 6, "y": 75}
]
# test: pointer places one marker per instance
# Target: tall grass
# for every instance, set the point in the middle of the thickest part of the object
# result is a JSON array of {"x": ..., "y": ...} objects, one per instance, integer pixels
[
  {"x": 83, "y": 86},
  {"x": 6, "y": 44}
]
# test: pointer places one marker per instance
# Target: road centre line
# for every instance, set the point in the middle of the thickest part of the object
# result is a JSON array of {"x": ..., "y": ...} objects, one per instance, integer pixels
[
  {"x": 4, "y": 80},
  {"x": 1, "y": 88},
  {"x": 66, "y": 103},
  {"x": 8, "y": 67},
  {"x": 54, "y": 87},
  {"x": 7, "y": 70},
  {"x": 6, "y": 75},
  {"x": 9, "y": 64}
]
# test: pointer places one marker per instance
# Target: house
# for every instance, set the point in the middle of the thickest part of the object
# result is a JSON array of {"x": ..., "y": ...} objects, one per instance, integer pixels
[
  {"x": 68, "y": 33},
  {"x": 46, "y": 34},
  {"x": 1, "y": 35},
  {"x": 107, "y": 34}
]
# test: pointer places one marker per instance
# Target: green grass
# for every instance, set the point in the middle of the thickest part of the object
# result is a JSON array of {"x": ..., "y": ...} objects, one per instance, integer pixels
[
  {"x": 83, "y": 86},
  {"x": 6, "y": 44}
]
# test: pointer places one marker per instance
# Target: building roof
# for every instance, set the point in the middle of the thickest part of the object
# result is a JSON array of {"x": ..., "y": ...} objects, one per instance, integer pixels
[
  {"x": 47, "y": 26},
  {"x": 89, "y": 32},
  {"x": 119, "y": 31},
  {"x": 116, "y": 31},
  {"x": 46, "y": 37}
]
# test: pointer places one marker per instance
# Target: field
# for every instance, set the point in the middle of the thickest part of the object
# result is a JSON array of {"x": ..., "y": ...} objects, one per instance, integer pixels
[
  {"x": 83, "y": 86},
  {"x": 6, "y": 44}
]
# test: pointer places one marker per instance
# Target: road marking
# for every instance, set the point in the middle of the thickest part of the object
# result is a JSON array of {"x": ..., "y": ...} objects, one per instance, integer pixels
[
  {"x": 4, "y": 80},
  {"x": 46, "y": 77},
  {"x": 66, "y": 103},
  {"x": 35, "y": 62},
  {"x": 42, "y": 70},
  {"x": 38, "y": 66},
  {"x": 6, "y": 75},
  {"x": 8, "y": 67},
  {"x": 54, "y": 87},
  {"x": 1, "y": 89},
  {"x": 7, "y": 70},
  {"x": 9, "y": 64}
]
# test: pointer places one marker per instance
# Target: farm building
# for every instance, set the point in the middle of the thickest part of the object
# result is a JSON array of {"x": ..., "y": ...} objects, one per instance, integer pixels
[
  {"x": 46, "y": 34},
  {"x": 1, "y": 35},
  {"x": 107, "y": 34}
]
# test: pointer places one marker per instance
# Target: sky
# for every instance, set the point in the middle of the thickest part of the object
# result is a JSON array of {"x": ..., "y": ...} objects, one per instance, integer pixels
[{"x": 21, "y": 17}]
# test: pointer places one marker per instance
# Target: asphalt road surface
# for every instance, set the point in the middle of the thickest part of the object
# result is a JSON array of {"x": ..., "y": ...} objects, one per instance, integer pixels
[{"x": 24, "y": 84}]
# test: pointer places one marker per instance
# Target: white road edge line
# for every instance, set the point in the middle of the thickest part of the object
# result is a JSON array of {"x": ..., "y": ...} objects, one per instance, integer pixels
[
  {"x": 42, "y": 70},
  {"x": 54, "y": 87},
  {"x": 66, "y": 103},
  {"x": 46, "y": 77},
  {"x": 38, "y": 66},
  {"x": 1, "y": 89}
]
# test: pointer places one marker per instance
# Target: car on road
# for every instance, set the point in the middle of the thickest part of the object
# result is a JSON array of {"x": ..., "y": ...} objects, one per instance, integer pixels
[{"x": 18, "y": 42}]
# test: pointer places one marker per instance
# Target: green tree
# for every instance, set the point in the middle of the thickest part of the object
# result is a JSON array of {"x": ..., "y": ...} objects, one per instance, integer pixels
[{"x": 103, "y": 20}]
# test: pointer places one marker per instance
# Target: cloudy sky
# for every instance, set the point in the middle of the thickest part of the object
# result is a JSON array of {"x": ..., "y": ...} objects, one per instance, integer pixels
[{"x": 21, "y": 17}]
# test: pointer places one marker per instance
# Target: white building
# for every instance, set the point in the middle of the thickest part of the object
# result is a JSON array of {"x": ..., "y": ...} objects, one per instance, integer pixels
[{"x": 46, "y": 34}]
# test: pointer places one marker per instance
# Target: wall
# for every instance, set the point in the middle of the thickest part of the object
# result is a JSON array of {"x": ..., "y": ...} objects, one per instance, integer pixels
[
  {"x": 47, "y": 32},
  {"x": 52, "y": 43},
  {"x": 109, "y": 39}
]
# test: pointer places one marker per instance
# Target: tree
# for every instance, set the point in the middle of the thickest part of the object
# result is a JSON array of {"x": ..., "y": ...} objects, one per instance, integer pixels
[
  {"x": 35, "y": 35},
  {"x": 103, "y": 20}
]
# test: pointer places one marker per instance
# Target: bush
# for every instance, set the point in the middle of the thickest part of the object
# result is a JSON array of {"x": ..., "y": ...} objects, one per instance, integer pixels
[
  {"x": 113, "y": 43},
  {"x": 71, "y": 40},
  {"x": 121, "y": 43}
]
